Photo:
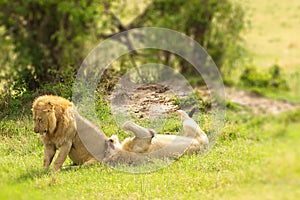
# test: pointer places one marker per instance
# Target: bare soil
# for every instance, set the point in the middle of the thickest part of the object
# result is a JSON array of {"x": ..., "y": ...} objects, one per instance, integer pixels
[
  {"x": 155, "y": 98},
  {"x": 257, "y": 103}
]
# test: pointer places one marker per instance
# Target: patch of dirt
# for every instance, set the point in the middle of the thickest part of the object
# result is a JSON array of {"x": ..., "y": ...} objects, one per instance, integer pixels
[
  {"x": 154, "y": 99},
  {"x": 150, "y": 100},
  {"x": 258, "y": 104}
]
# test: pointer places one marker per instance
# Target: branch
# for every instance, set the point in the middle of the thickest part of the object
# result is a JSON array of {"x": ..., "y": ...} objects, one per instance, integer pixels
[
  {"x": 135, "y": 23},
  {"x": 8, "y": 32},
  {"x": 139, "y": 20}
]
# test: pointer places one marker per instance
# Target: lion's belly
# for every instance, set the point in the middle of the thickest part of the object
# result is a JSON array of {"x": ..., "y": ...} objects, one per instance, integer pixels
[
  {"x": 78, "y": 152},
  {"x": 172, "y": 144}
]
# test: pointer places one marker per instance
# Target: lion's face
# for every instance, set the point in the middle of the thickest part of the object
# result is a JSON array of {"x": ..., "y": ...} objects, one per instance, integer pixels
[{"x": 44, "y": 120}]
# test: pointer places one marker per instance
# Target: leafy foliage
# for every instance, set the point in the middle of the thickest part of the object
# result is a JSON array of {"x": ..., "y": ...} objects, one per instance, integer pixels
[
  {"x": 214, "y": 24},
  {"x": 47, "y": 37},
  {"x": 273, "y": 79},
  {"x": 45, "y": 41}
]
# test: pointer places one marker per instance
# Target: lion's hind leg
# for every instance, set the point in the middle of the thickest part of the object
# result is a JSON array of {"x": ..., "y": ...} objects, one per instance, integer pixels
[
  {"x": 142, "y": 140},
  {"x": 91, "y": 161}
]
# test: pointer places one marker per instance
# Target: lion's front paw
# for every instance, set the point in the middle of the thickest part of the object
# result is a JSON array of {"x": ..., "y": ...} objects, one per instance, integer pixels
[{"x": 56, "y": 168}]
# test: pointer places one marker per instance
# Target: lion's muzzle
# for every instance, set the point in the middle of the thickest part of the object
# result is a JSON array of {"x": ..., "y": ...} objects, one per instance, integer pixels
[{"x": 36, "y": 130}]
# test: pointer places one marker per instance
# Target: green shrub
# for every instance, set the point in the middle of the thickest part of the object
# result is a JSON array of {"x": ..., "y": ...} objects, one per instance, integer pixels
[
  {"x": 195, "y": 99},
  {"x": 272, "y": 79},
  {"x": 277, "y": 80}
]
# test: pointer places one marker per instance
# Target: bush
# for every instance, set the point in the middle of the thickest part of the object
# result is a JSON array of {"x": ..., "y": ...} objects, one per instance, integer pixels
[
  {"x": 214, "y": 24},
  {"x": 44, "y": 42},
  {"x": 272, "y": 79},
  {"x": 47, "y": 36}
]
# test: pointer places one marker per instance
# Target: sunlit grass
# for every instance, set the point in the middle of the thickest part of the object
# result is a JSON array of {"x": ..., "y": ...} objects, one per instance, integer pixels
[
  {"x": 258, "y": 162},
  {"x": 274, "y": 33}
]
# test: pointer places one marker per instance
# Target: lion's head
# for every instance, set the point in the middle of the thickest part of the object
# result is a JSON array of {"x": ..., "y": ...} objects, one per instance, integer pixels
[{"x": 44, "y": 117}]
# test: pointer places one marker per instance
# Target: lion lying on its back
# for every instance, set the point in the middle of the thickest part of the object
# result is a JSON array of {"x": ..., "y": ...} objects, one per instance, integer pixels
[
  {"x": 146, "y": 142},
  {"x": 55, "y": 119}
]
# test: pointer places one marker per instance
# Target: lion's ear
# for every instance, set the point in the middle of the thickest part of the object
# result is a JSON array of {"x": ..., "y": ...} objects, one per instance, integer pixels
[
  {"x": 51, "y": 106},
  {"x": 111, "y": 143},
  {"x": 111, "y": 140},
  {"x": 51, "y": 109}
]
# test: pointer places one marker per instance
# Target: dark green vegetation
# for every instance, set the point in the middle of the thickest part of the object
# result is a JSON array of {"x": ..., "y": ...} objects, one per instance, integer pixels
[{"x": 44, "y": 43}]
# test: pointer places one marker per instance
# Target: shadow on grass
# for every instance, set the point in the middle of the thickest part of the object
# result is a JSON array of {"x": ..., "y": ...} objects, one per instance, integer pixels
[{"x": 32, "y": 174}]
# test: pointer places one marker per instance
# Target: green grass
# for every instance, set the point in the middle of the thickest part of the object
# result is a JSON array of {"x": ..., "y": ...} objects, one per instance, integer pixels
[
  {"x": 254, "y": 158},
  {"x": 274, "y": 32},
  {"x": 272, "y": 38}
]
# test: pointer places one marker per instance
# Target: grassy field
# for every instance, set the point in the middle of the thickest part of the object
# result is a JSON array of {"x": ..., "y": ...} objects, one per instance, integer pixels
[
  {"x": 272, "y": 38},
  {"x": 274, "y": 33},
  {"x": 255, "y": 158}
]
